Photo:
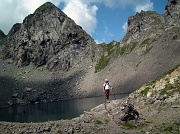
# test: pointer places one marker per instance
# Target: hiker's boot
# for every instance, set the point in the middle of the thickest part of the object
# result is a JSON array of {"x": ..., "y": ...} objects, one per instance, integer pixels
[{"x": 107, "y": 101}]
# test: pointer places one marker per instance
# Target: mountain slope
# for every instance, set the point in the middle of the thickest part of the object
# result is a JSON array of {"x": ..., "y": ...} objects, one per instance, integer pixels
[{"x": 150, "y": 48}]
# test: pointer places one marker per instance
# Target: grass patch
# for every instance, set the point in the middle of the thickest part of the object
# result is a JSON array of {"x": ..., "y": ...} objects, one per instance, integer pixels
[
  {"x": 148, "y": 122},
  {"x": 98, "y": 122},
  {"x": 175, "y": 87},
  {"x": 105, "y": 58},
  {"x": 112, "y": 50},
  {"x": 172, "y": 128},
  {"x": 145, "y": 91},
  {"x": 129, "y": 125},
  {"x": 127, "y": 49},
  {"x": 103, "y": 62},
  {"x": 2, "y": 41},
  {"x": 168, "y": 87},
  {"x": 145, "y": 44},
  {"x": 146, "y": 41}
]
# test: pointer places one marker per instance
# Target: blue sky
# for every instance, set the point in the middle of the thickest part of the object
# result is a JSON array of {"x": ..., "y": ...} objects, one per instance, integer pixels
[{"x": 104, "y": 20}]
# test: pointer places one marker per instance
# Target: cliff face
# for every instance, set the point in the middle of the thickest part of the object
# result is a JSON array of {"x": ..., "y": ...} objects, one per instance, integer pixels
[
  {"x": 147, "y": 24},
  {"x": 48, "y": 37},
  {"x": 172, "y": 13}
]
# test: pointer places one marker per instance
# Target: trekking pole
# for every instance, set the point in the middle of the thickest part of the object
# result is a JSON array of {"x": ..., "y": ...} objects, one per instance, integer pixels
[
  {"x": 114, "y": 95},
  {"x": 105, "y": 101}
]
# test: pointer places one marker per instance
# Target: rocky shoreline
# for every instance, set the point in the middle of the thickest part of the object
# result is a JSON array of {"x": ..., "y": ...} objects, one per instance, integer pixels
[{"x": 101, "y": 120}]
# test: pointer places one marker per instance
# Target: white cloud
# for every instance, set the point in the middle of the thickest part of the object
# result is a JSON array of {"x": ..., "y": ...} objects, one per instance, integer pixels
[
  {"x": 112, "y": 3},
  {"x": 106, "y": 31},
  {"x": 83, "y": 14},
  {"x": 124, "y": 27},
  {"x": 99, "y": 42},
  {"x": 14, "y": 11},
  {"x": 145, "y": 6}
]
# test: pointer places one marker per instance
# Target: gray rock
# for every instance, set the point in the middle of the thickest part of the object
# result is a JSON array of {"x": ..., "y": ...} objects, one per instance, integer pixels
[
  {"x": 48, "y": 37},
  {"x": 15, "y": 95}
]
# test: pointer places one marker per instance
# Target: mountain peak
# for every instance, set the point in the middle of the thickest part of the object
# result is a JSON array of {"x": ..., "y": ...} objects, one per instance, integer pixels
[
  {"x": 46, "y": 6},
  {"x": 48, "y": 37}
]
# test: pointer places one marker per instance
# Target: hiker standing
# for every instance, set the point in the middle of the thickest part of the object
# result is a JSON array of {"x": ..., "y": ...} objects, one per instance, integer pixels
[{"x": 106, "y": 89}]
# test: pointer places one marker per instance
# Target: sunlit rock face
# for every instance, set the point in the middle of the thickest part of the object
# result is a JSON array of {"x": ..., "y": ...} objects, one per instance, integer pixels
[{"x": 48, "y": 37}]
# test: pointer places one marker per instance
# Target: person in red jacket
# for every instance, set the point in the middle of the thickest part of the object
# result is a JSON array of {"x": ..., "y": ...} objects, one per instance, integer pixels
[{"x": 106, "y": 89}]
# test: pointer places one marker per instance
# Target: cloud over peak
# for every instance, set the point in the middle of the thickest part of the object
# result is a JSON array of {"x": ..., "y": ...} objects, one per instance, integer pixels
[
  {"x": 145, "y": 6},
  {"x": 83, "y": 14}
]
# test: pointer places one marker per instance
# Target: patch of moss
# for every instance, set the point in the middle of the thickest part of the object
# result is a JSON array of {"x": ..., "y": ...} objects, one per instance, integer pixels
[
  {"x": 172, "y": 128},
  {"x": 98, "y": 122},
  {"x": 104, "y": 60},
  {"x": 112, "y": 50},
  {"x": 145, "y": 91},
  {"x": 129, "y": 125},
  {"x": 2, "y": 41},
  {"x": 146, "y": 41},
  {"x": 168, "y": 129},
  {"x": 127, "y": 49},
  {"x": 175, "y": 87},
  {"x": 167, "y": 87},
  {"x": 148, "y": 122},
  {"x": 102, "y": 63}
]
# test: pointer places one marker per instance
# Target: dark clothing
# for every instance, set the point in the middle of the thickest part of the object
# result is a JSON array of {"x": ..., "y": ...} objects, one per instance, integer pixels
[{"x": 107, "y": 94}]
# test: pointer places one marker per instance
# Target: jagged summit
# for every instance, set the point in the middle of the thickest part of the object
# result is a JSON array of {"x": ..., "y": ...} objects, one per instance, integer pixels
[
  {"x": 48, "y": 37},
  {"x": 46, "y": 6}
]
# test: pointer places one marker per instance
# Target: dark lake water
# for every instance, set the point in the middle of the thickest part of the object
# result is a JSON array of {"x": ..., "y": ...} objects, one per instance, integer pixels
[{"x": 66, "y": 109}]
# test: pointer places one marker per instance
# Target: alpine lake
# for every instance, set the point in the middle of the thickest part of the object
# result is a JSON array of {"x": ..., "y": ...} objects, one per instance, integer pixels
[{"x": 43, "y": 112}]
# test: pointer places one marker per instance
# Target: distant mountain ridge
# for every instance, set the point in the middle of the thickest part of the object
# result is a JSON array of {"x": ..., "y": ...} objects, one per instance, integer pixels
[{"x": 50, "y": 58}]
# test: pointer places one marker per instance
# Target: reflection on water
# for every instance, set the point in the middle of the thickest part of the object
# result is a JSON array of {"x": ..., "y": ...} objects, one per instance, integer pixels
[{"x": 66, "y": 109}]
